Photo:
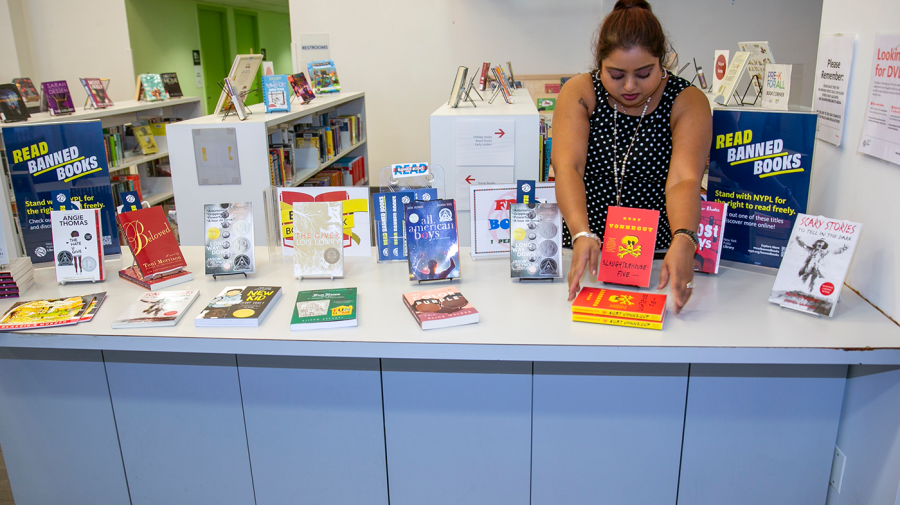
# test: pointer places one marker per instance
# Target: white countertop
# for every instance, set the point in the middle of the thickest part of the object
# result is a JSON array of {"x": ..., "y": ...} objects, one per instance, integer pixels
[{"x": 728, "y": 320}]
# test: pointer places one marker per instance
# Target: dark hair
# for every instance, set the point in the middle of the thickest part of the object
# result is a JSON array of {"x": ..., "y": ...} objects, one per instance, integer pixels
[{"x": 631, "y": 24}]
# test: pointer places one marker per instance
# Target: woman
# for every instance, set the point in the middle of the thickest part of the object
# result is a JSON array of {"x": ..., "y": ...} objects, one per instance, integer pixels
[{"x": 631, "y": 134}]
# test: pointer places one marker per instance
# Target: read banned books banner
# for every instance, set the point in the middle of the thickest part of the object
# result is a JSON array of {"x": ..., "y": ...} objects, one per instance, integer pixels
[
  {"x": 760, "y": 165},
  {"x": 44, "y": 158}
]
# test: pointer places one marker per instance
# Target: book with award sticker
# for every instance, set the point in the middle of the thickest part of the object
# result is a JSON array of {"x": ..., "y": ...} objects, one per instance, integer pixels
[
  {"x": 239, "y": 306},
  {"x": 229, "y": 238},
  {"x": 432, "y": 240},
  {"x": 318, "y": 239},
  {"x": 535, "y": 250},
  {"x": 325, "y": 308},
  {"x": 77, "y": 245}
]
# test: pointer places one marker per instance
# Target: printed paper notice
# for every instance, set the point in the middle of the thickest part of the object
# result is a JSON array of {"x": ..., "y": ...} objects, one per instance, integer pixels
[
  {"x": 490, "y": 142},
  {"x": 881, "y": 130},
  {"x": 832, "y": 80}
]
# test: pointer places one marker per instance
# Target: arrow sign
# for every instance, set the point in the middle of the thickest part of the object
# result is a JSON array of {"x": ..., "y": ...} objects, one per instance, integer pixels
[
  {"x": 469, "y": 179},
  {"x": 501, "y": 133}
]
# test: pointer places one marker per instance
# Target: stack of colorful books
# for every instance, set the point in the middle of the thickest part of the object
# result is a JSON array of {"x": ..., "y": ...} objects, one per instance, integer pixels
[
  {"x": 620, "y": 308},
  {"x": 16, "y": 277}
]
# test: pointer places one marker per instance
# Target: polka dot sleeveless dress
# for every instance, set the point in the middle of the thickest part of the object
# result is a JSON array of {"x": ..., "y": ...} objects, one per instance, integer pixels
[{"x": 648, "y": 164}]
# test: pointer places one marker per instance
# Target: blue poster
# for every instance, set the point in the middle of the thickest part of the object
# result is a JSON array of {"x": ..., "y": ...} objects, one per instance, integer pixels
[
  {"x": 53, "y": 157},
  {"x": 760, "y": 165}
]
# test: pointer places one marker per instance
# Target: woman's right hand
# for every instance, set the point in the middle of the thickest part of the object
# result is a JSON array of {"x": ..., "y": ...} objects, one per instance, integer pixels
[{"x": 585, "y": 253}]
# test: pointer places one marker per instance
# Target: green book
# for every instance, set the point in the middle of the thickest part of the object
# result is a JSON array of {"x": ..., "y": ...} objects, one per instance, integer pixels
[{"x": 324, "y": 308}]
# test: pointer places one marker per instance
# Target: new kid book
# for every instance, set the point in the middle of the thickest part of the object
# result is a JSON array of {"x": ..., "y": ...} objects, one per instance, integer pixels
[
  {"x": 276, "y": 93},
  {"x": 324, "y": 76},
  {"x": 157, "y": 308},
  {"x": 318, "y": 239},
  {"x": 77, "y": 245},
  {"x": 171, "y": 84},
  {"x": 629, "y": 241},
  {"x": 27, "y": 90},
  {"x": 12, "y": 105},
  {"x": 57, "y": 99},
  {"x": 229, "y": 238},
  {"x": 301, "y": 87},
  {"x": 325, "y": 308},
  {"x": 712, "y": 227},
  {"x": 239, "y": 306},
  {"x": 432, "y": 240},
  {"x": 96, "y": 92},
  {"x": 815, "y": 264},
  {"x": 535, "y": 250},
  {"x": 152, "y": 242},
  {"x": 440, "y": 308}
]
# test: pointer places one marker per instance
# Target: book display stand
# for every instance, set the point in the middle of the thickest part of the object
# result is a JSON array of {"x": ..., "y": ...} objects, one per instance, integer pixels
[
  {"x": 216, "y": 276},
  {"x": 434, "y": 178},
  {"x": 741, "y": 100}
]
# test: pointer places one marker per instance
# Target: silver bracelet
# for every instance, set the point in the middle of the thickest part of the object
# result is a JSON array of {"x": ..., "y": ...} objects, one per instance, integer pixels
[{"x": 585, "y": 234}]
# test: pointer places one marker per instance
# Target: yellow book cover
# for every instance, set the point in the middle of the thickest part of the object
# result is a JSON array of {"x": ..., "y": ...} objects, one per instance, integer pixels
[
  {"x": 144, "y": 136},
  {"x": 633, "y": 323}
]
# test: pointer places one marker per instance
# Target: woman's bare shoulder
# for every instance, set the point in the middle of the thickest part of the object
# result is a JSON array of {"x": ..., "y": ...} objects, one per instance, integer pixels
[{"x": 580, "y": 90}]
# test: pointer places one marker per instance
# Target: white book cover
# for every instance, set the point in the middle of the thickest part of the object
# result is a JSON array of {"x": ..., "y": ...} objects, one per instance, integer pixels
[
  {"x": 157, "y": 308},
  {"x": 357, "y": 237},
  {"x": 229, "y": 238},
  {"x": 777, "y": 87},
  {"x": 318, "y": 239},
  {"x": 760, "y": 56},
  {"x": 720, "y": 66},
  {"x": 77, "y": 245},
  {"x": 735, "y": 70},
  {"x": 815, "y": 264}
]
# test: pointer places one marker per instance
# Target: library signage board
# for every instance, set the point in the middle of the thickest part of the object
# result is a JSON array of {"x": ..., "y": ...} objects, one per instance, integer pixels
[
  {"x": 760, "y": 165},
  {"x": 52, "y": 157},
  {"x": 490, "y": 204}
]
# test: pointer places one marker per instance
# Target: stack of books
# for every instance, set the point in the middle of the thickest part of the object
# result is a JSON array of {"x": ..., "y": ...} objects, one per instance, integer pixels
[
  {"x": 52, "y": 312},
  {"x": 620, "y": 308},
  {"x": 16, "y": 277}
]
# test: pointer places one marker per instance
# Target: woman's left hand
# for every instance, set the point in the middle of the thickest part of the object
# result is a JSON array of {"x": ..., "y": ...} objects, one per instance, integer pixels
[{"x": 678, "y": 266}]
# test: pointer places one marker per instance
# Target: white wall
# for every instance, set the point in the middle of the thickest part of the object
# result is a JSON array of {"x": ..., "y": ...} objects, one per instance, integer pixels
[
  {"x": 9, "y": 64},
  {"x": 853, "y": 186},
  {"x": 70, "y": 39},
  {"x": 404, "y": 53}
]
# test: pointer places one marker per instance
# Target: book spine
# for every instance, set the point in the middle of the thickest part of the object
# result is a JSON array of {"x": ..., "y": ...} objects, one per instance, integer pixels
[
  {"x": 651, "y": 325},
  {"x": 586, "y": 311}
]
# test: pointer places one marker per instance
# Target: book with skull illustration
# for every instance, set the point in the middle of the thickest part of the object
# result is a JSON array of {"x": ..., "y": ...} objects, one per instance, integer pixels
[
  {"x": 318, "y": 239},
  {"x": 77, "y": 245},
  {"x": 229, "y": 238},
  {"x": 815, "y": 264},
  {"x": 535, "y": 250},
  {"x": 629, "y": 241}
]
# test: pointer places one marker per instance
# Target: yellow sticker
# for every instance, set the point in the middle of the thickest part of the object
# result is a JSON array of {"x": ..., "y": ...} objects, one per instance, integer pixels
[
  {"x": 518, "y": 234},
  {"x": 243, "y": 313},
  {"x": 212, "y": 233}
]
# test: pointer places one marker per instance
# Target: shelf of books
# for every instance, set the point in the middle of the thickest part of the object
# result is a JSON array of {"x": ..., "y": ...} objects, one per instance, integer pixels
[
  {"x": 222, "y": 158},
  {"x": 134, "y": 138}
]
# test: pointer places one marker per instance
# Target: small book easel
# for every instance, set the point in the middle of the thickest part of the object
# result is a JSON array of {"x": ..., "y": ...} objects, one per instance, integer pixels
[
  {"x": 215, "y": 276},
  {"x": 88, "y": 103},
  {"x": 232, "y": 108},
  {"x": 741, "y": 100}
]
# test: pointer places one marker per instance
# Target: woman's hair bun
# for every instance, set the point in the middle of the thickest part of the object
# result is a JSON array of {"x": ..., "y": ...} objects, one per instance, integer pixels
[{"x": 628, "y": 4}]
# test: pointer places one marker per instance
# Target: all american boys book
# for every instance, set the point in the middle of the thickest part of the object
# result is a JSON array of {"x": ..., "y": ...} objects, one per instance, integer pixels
[{"x": 432, "y": 239}]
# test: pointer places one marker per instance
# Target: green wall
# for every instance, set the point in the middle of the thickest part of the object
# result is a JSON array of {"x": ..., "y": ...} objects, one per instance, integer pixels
[{"x": 164, "y": 32}]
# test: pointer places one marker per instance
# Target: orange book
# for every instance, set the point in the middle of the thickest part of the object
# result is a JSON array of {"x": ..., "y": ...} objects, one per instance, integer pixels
[
  {"x": 617, "y": 321},
  {"x": 620, "y": 304},
  {"x": 629, "y": 242}
]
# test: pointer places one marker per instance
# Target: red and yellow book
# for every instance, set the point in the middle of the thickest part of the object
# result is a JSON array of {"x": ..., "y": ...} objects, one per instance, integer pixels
[
  {"x": 620, "y": 308},
  {"x": 629, "y": 241}
]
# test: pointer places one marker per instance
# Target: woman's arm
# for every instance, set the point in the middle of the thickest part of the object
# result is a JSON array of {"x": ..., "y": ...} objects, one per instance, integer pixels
[
  {"x": 571, "y": 128},
  {"x": 691, "y": 141}
]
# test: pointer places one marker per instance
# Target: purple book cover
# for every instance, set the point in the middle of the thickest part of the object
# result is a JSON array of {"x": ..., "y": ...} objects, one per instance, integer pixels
[{"x": 59, "y": 100}]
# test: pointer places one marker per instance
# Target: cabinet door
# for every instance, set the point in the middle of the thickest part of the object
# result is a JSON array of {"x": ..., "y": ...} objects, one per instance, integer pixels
[
  {"x": 181, "y": 427},
  {"x": 315, "y": 429},
  {"x": 457, "y": 431},
  {"x": 607, "y": 432},
  {"x": 760, "y": 433},
  {"x": 57, "y": 428}
]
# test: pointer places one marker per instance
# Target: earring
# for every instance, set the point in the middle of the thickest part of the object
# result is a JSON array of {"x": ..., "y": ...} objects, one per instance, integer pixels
[
  {"x": 665, "y": 73},
  {"x": 597, "y": 74}
]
